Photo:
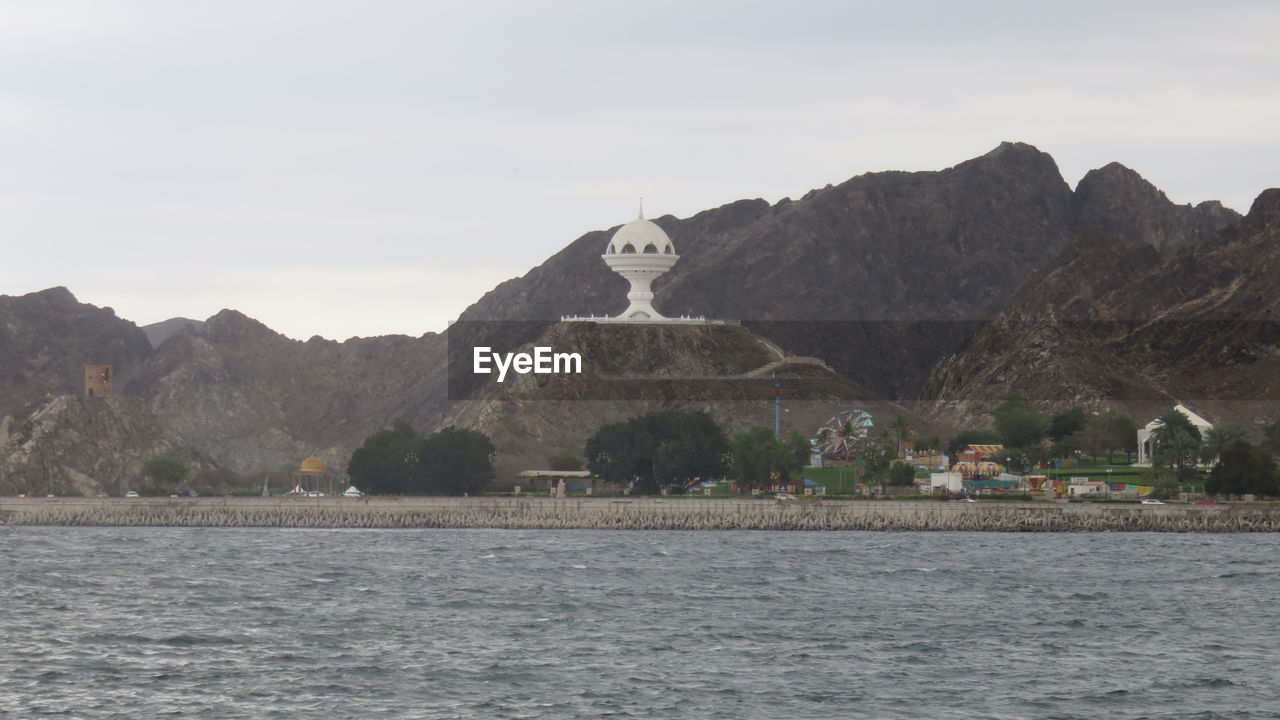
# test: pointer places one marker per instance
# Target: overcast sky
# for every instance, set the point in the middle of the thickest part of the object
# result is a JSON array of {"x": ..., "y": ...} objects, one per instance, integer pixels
[{"x": 366, "y": 167}]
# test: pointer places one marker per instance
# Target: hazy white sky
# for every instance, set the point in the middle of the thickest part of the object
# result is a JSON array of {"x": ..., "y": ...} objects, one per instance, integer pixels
[{"x": 368, "y": 167}]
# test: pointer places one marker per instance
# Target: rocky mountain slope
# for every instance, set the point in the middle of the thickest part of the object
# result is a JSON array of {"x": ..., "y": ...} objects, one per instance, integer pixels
[
  {"x": 1117, "y": 202},
  {"x": 882, "y": 275},
  {"x": 69, "y": 444},
  {"x": 157, "y": 333},
  {"x": 1113, "y": 323},
  {"x": 46, "y": 339},
  {"x": 885, "y": 278},
  {"x": 632, "y": 369},
  {"x": 241, "y": 393}
]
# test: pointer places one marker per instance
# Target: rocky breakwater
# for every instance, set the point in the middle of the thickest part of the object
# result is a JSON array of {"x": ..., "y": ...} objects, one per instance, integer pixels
[{"x": 635, "y": 514}]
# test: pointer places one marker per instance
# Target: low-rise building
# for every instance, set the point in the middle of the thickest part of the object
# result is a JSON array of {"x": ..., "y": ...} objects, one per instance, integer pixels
[
  {"x": 952, "y": 482},
  {"x": 1088, "y": 488}
]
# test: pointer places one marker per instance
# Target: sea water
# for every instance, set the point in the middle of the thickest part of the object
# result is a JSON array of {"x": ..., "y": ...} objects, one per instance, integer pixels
[{"x": 273, "y": 623}]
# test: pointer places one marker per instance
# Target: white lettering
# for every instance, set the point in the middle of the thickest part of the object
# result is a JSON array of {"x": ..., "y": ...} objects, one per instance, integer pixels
[
  {"x": 503, "y": 366},
  {"x": 543, "y": 361},
  {"x": 572, "y": 363}
]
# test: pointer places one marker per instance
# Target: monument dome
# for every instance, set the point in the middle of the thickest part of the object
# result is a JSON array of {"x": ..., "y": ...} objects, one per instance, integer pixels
[
  {"x": 640, "y": 252},
  {"x": 640, "y": 236}
]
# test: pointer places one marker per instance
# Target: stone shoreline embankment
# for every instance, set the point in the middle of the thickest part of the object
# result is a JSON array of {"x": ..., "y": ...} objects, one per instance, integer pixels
[{"x": 634, "y": 514}]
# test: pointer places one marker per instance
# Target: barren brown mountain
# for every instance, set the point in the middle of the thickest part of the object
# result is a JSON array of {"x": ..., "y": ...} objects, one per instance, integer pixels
[
  {"x": 884, "y": 279},
  {"x": 1117, "y": 323}
]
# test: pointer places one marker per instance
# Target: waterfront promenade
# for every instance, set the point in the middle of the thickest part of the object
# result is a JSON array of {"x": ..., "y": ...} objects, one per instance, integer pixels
[{"x": 636, "y": 514}]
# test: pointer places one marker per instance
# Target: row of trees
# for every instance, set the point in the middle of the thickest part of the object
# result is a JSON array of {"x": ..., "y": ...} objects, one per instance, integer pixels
[
  {"x": 1242, "y": 467},
  {"x": 665, "y": 450},
  {"x": 1178, "y": 445},
  {"x": 399, "y": 461}
]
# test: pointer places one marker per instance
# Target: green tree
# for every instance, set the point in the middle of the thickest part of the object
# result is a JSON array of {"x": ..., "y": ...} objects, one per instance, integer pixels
[
  {"x": 166, "y": 472},
  {"x": 1243, "y": 468},
  {"x": 848, "y": 433},
  {"x": 1165, "y": 486},
  {"x": 1218, "y": 438},
  {"x": 1068, "y": 445},
  {"x": 900, "y": 426},
  {"x": 877, "y": 457},
  {"x": 824, "y": 437},
  {"x": 658, "y": 450},
  {"x": 454, "y": 461},
  {"x": 927, "y": 442},
  {"x": 1019, "y": 424},
  {"x": 901, "y": 475},
  {"x": 801, "y": 447},
  {"x": 1067, "y": 422},
  {"x": 388, "y": 462},
  {"x": 1271, "y": 438},
  {"x": 757, "y": 455},
  {"x": 1169, "y": 423},
  {"x": 1036, "y": 454},
  {"x": 565, "y": 461},
  {"x": 1112, "y": 431},
  {"x": 1179, "y": 450},
  {"x": 1013, "y": 459}
]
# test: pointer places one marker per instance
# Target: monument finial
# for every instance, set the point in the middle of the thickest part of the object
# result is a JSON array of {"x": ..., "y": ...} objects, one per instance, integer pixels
[{"x": 641, "y": 217}]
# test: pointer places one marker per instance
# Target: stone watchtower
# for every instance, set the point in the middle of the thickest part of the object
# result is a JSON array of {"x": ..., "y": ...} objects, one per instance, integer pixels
[{"x": 97, "y": 380}]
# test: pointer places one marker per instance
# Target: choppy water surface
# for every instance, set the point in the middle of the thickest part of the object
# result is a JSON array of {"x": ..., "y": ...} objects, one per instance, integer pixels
[{"x": 157, "y": 622}]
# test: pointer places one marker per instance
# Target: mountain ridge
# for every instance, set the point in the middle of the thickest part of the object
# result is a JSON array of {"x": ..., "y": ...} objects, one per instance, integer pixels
[{"x": 890, "y": 278}]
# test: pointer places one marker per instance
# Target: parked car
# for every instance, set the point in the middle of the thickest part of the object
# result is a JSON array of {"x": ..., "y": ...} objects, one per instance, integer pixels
[
  {"x": 784, "y": 496},
  {"x": 131, "y": 493},
  {"x": 1149, "y": 501}
]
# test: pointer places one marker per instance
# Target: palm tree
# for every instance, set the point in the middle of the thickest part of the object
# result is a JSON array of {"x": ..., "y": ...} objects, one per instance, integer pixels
[
  {"x": 1217, "y": 438},
  {"x": 900, "y": 425},
  {"x": 1170, "y": 422},
  {"x": 1180, "y": 450},
  {"x": 847, "y": 434},
  {"x": 824, "y": 437}
]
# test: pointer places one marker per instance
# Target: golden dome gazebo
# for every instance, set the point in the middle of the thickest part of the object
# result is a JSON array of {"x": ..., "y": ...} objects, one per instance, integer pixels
[{"x": 313, "y": 475}]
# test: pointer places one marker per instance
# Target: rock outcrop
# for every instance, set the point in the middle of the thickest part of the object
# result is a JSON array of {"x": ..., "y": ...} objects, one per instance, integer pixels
[
  {"x": 46, "y": 339},
  {"x": 70, "y": 444},
  {"x": 1117, "y": 202},
  {"x": 1116, "y": 324},
  {"x": 237, "y": 391},
  {"x": 157, "y": 333}
]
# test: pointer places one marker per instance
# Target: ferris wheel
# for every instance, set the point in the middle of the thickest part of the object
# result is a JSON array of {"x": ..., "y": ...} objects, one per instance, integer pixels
[{"x": 844, "y": 434}]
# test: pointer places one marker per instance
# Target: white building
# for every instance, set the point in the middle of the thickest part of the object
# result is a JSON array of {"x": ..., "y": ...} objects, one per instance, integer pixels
[
  {"x": 641, "y": 252},
  {"x": 1088, "y": 488},
  {"x": 1146, "y": 448},
  {"x": 952, "y": 481}
]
